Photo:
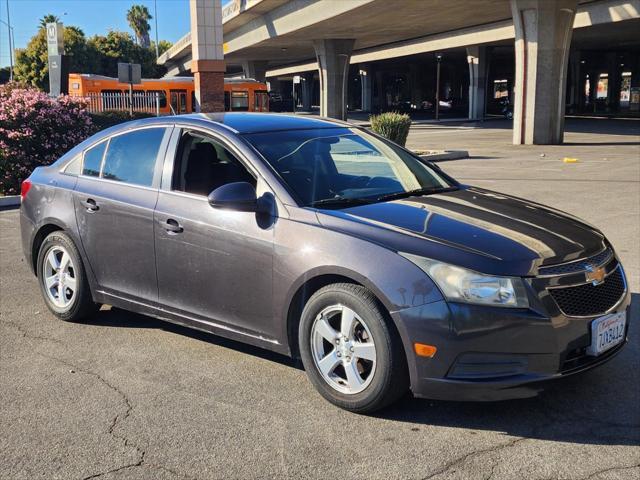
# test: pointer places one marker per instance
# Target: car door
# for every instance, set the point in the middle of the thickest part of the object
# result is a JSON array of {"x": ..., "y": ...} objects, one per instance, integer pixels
[
  {"x": 212, "y": 265},
  {"x": 114, "y": 200}
]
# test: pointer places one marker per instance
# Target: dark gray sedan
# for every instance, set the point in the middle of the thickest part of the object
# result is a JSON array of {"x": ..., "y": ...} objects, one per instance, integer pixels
[{"x": 323, "y": 241}]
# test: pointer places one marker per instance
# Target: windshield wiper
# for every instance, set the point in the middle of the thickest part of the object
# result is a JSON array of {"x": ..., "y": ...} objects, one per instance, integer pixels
[
  {"x": 415, "y": 193},
  {"x": 340, "y": 202}
]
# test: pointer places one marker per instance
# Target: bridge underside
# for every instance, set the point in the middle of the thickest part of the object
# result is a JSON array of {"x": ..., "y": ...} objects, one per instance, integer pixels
[{"x": 375, "y": 55}]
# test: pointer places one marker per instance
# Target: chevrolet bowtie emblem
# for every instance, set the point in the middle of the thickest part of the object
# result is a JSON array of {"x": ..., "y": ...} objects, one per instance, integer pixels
[{"x": 595, "y": 275}]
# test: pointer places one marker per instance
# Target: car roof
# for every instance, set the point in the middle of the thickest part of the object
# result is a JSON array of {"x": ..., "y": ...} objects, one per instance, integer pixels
[{"x": 245, "y": 122}]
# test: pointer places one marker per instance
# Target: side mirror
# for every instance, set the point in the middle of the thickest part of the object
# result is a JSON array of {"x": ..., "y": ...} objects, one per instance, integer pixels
[{"x": 239, "y": 196}]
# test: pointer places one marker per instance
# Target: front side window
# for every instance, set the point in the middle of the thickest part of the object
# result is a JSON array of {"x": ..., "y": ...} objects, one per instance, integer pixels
[
  {"x": 93, "y": 160},
  {"x": 131, "y": 157},
  {"x": 340, "y": 166},
  {"x": 202, "y": 165}
]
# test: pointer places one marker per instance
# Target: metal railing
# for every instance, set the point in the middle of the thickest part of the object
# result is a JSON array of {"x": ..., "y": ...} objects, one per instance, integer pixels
[{"x": 148, "y": 102}]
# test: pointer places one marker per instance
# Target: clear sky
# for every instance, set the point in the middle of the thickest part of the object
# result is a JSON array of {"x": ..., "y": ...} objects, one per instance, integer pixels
[{"x": 92, "y": 16}]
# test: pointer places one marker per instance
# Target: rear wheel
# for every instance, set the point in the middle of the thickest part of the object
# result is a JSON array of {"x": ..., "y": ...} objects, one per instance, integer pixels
[
  {"x": 351, "y": 353},
  {"x": 63, "y": 280}
]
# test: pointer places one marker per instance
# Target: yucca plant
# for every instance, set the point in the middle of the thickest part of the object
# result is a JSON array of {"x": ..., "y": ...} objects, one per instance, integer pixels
[{"x": 392, "y": 125}]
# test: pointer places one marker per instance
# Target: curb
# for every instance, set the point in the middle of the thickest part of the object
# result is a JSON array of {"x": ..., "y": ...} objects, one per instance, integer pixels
[
  {"x": 10, "y": 201},
  {"x": 446, "y": 155}
]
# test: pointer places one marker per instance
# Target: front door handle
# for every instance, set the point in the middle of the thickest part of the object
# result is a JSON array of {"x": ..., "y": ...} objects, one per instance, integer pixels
[
  {"x": 91, "y": 205},
  {"x": 172, "y": 226}
]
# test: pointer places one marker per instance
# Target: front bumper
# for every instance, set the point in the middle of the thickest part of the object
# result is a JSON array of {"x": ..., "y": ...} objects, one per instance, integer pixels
[{"x": 492, "y": 353}]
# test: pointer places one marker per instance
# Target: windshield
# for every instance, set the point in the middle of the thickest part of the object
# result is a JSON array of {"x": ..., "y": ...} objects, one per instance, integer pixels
[{"x": 341, "y": 166}]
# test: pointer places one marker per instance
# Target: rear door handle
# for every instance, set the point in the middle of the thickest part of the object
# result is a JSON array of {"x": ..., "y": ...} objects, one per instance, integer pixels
[
  {"x": 172, "y": 226},
  {"x": 91, "y": 205}
]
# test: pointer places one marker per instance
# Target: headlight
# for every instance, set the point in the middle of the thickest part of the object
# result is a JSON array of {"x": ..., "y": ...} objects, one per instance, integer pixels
[{"x": 462, "y": 285}]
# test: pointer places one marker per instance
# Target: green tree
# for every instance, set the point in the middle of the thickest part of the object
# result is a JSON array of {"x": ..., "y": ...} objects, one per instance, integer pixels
[
  {"x": 163, "y": 46},
  {"x": 138, "y": 17},
  {"x": 50, "y": 18},
  {"x": 118, "y": 47},
  {"x": 32, "y": 66}
]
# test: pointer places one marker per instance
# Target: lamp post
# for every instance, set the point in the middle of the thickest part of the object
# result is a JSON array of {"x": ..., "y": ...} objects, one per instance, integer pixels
[
  {"x": 155, "y": 16},
  {"x": 438, "y": 60},
  {"x": 10, "y": 33}
]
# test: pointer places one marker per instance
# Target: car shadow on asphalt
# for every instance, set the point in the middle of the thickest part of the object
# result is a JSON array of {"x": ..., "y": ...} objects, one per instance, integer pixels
[
  {"x": 118, "y": 318},
  {"x": 598, "y": 407}
]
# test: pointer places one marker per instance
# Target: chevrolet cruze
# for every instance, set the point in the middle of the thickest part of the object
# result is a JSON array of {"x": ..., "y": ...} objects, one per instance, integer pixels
[{"x": 324, "y": 241}]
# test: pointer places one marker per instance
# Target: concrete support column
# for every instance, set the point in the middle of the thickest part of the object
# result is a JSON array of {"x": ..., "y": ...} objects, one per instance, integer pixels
[
  {"x": 614, "y": 76},
  {"x": 543, "y": 37},
  {"x": 574, "y": 87},
  {"x": 208, "y": 59},
  {"x": 307, "y": 90},
  {"x": 415, "y": 83},
  {"x": 594, "y": 76},
  {"x": 477, "y": 58},
  {"x": 380, "y": 93},
  {"x": 333, "y": 67},
  {"x": 256, "y": 69},
  {"x": 366, "y": 81}
]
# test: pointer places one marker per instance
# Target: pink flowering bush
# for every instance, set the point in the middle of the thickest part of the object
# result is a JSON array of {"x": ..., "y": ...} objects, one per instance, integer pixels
[{"x": 35, "y": 130}]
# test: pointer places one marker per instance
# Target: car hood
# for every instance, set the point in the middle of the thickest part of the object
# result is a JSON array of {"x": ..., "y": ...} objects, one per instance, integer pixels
[{"x": 471, "y": 227}]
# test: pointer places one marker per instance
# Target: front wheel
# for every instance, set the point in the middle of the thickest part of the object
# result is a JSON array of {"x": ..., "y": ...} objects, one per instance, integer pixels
[
  {"x": 351, "y": 353},
  {"x": 63, "y": 279}
]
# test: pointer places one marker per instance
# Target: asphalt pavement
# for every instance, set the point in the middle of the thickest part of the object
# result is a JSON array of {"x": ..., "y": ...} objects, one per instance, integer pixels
[{"x": 125, "y": 396}]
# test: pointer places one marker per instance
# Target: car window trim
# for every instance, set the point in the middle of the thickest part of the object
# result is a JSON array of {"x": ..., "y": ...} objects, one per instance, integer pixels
[{"x": 118, "y": 182}]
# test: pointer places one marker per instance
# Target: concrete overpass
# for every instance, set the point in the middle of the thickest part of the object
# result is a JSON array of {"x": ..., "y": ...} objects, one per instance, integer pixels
[{"x": 273, "y": 38}]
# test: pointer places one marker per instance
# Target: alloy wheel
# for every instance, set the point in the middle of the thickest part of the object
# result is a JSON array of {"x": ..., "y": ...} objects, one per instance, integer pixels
[
  {"x": 59, "y": 277},
  {"x": 343, "y": 349}
]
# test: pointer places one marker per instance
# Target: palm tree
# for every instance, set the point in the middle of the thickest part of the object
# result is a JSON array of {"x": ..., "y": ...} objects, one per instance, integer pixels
[
  {"x": 138, "y": 17},
  {"x": 50, "y": 18}
]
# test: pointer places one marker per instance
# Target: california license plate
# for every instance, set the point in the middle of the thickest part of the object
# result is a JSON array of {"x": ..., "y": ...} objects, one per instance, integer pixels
[{"x": 607, "y": 332}]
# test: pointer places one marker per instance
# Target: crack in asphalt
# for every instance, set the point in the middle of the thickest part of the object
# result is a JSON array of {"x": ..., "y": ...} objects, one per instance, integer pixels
[
  {"x": 118, "y": 418},
  {"x": 548, "y": 414},
  {"x": 462, "y": 459},
  {"x": 26, "y": 334}
]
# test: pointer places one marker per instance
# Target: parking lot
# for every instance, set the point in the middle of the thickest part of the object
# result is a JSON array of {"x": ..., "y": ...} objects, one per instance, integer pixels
[{"x": 128, "y": 397}]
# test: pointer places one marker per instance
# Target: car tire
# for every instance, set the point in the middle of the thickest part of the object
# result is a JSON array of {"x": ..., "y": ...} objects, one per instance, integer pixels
[
  {"x": 338, "y": 325},
  {"x": 65, "y": 290}
]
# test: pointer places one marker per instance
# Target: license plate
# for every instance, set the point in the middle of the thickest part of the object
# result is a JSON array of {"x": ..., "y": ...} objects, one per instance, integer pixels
[{"x": 607, "y": 332}]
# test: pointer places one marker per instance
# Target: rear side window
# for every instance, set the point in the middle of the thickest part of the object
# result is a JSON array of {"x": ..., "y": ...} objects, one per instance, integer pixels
[
  {"x": 131, "y": 157},
  {"x": 93, "y": 159}
]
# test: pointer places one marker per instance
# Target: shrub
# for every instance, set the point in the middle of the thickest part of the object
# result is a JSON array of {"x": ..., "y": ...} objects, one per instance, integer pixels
[
  {"x": 109, "y": 118},
  {"x": 35, "y": 130},
  {"x": 392, "y": 125}
]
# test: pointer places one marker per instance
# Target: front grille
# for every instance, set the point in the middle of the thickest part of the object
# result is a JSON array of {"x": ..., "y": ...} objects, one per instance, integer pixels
[
  {"x": 588, "y": 299},
  {"x": 578, "y": 266}
]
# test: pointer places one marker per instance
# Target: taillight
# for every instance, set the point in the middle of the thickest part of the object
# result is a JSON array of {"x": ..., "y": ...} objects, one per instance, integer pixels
[{"x": 24, "y": 188}]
